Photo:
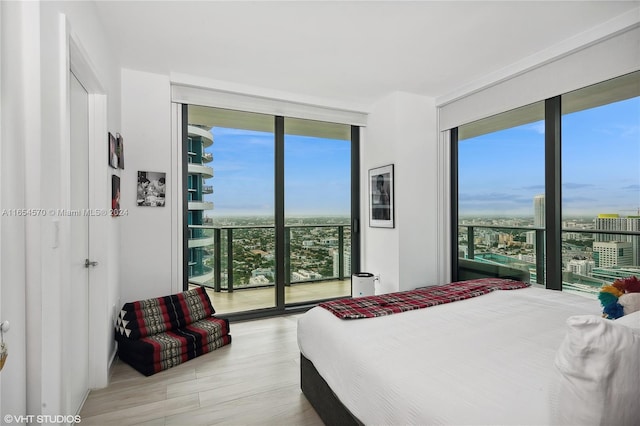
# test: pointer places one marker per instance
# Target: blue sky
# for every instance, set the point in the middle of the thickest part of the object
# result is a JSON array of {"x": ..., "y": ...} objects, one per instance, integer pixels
[
  {"x": 317, "y": 174},
  {"x": 501, "y": 172}
]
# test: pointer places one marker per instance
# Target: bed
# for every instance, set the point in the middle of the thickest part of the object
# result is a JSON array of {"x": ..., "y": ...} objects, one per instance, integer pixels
[{"x": 490, "y": 359}]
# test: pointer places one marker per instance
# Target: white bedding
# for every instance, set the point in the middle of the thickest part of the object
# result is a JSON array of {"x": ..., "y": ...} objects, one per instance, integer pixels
[{"x": 485, "y": 360}]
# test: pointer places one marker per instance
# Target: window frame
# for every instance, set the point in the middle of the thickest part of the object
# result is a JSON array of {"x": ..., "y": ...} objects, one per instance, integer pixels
[
  {"x": 553, "y": 231},
  {"x": 280, "y": 306}
]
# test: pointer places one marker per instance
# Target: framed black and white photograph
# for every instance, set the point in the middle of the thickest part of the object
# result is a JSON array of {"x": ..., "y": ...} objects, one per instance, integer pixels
[
  {"x": 151, "y": 189},
  {"x": 381, "y": 197},
  {"x": 113, "y": 151},
  {"x": 120, "y": 150}
]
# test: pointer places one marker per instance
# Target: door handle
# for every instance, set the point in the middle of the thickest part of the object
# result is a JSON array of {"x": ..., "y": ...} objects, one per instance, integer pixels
[{"x": 88, "y": 263}]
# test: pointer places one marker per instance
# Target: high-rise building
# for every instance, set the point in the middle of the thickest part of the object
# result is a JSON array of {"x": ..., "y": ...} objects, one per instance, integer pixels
[
  {"x": 538, "y": 211},
  {"x": 612, "y": 253},
  {"x": 200, "y": 239},
  {"x": 538, "y": 219},
  {"x": 610, "y": 222},
  {"x": 347, "y": 262},
  {"x": 613, "y": 222},
  {"x": 581, "y": 266}
]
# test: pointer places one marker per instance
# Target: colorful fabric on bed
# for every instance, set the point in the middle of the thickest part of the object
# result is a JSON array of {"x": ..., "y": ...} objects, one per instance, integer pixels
[{"x": 393, "y": 303}]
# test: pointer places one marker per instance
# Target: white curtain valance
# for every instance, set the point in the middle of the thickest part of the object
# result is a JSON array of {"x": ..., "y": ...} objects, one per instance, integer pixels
[{"x": 193, "y": 95}]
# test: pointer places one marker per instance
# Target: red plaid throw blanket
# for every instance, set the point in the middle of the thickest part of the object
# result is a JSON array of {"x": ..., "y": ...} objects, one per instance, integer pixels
[{"x": 393, "y": 303}]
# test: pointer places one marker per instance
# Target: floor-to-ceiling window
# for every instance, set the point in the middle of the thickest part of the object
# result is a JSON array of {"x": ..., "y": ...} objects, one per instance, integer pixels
[
  {"x": 513, "y": 172},
  {"x": 269, "y": 204},
  {"x": 500, "y": 204},
  {"x": 601, "y": 183}
]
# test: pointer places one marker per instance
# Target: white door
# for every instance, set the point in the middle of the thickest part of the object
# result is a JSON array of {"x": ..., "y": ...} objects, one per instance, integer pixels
[{"x": 77, "y": 355}]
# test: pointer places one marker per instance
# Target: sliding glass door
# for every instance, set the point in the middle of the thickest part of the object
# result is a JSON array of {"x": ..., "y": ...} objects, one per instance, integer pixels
[
  {"x": 269, "y": 202},
  {"x": 317, "y": 188},
  {"x": 230, "y": 187}
]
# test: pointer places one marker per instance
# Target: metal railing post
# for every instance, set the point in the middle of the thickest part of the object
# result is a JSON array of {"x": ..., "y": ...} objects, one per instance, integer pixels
[
  {"x": 287, "y": 256},
  {"x": 230, "y": 260},
  {"x": 217, "y": 260},
  {"x": 341, "y": 252},
  {"x": 470, "y": 243},
  {"x": 540, "y": 256}
]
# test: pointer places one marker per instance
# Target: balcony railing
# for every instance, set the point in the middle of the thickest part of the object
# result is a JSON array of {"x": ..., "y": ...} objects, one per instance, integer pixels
[
  {"x": 532, "y": 259},
  {"x": 310, "y": 246}
]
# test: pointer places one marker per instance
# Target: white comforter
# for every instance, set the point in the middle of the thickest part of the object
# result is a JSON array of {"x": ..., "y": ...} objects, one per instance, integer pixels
[{"x": 485, "y": 360}]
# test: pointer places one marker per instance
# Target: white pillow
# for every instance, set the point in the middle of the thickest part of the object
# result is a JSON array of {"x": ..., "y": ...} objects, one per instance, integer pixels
[
  {"x": 598, "y": 366},
  {"x": 632, "y": 320}
]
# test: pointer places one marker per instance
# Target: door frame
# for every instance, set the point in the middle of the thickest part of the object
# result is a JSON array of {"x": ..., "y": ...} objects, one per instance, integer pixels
[
  {"x": 77, "y": 60},
  {"x": 180, "y": 120},
  {"x": 77, "y": 361}
]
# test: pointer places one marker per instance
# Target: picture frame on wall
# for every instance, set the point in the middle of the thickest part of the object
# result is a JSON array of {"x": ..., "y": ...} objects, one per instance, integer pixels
[
  {"x": 115, "y": 196},
  {"x": 151, "y": 189},
  {"x": 120, "y": 150},
  {"x": 381, "y": 196},
  {"x": 113, "y": 151}
]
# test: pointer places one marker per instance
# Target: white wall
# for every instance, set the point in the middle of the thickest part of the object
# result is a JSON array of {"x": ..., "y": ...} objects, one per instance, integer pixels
[
  {"x": 146, "y": 250},
  {"x": 35, "y": 269},
  {"x": 379, "y": 147},
  {"x": 401, "y": 130},
  {"x": 416, "y": 183},
  {"x": 17, "y": 106}
]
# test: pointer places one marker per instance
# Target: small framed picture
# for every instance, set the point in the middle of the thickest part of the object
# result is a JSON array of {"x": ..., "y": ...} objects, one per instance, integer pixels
[
  {"x": 113, "y": 151},
  {"x": 381, "y": 197},
  {"x": 151, "y": 189},
  {"x": 120, "y": 150},
  {"x": 115, "y": 196}
]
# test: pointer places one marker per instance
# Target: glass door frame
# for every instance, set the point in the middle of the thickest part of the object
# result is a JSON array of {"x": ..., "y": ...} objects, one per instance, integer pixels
[{"x": 279, "y": 217}]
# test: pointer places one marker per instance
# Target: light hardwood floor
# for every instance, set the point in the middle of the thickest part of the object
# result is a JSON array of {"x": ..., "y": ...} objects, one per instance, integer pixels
[{"x": 253, "y": 381}]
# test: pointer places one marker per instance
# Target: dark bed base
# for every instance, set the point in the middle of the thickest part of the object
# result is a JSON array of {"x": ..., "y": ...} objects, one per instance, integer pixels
[{"x": 322, "y": 398}]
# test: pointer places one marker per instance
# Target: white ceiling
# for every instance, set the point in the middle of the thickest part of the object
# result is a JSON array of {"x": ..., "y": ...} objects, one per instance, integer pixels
[{"x": 352, "y": 51}]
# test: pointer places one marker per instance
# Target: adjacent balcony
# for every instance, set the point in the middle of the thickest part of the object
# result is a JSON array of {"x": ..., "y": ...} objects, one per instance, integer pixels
[
  {"x": 200, "y": 205},
  {"x": 200, "y": 242},
  {"x": 200, "y": 276},
  {"x": 207, "y": 189},
  {"x": 205, "y": 171},
  {"x": 207, "y": 137}
]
